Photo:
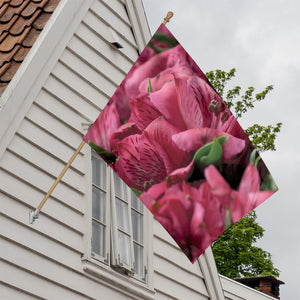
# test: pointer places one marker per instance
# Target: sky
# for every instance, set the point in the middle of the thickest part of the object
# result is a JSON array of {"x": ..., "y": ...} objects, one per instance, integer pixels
[{"x": 261, "y": 40}]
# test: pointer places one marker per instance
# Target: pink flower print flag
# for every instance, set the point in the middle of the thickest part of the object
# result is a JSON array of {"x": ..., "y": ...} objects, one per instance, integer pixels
[{"x": 172, "y": 139}]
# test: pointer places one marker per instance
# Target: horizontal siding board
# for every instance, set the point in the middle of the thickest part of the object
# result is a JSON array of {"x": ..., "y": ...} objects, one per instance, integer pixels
[
  {"x": 97, "y": 60},
  {"x": 60, "y": 110},
  {"x": 58, "y": 231},
  {"x": 41, "y": 160},
  {"x": 71, "y": 98},
  {"x": 80, "y": 85},
  {"x": 175, "y": 289},
  {"x": 33, "y": 283},
  {"x": 8, "y": 186},
  {"x": 54, "y": 209},
  {"x": 76, "y": 283},
  {"x": 236, "y": 291},
  {"x": 39, "y": 116},
  {"x": 119, "y": 9},
  {"x": 100, "y": 26},
  {"x": 175, "y": 254},
  {"x": 163, "y": 243},
  {"x": 92, "y": 75},
  {"x": 115, "y": 57},
  {"x": 9, "y": 292},
  {"x": 41, "y": 180},
  {"x": 174, "y": 272},
  {"x": 49, "y": 143},
  {"x": 112, "y": 18},
  {"x": 33, "y": 238}
]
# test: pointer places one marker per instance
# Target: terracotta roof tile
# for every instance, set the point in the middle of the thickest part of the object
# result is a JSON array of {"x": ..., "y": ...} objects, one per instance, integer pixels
[
  {"x": 31, "y": 8},
  {"x": 10, "y": 72},
  {"x": 21, "y": 54},
  {"x": 4, "y": 68},
  {"x": 50, "y": 6},
  {"x": 3, "y": 36},
  {"x": 6, "y": 26},
  {"x": 31, "y": 37},
  {"x": 21, "y": 22},
  {"x": 6, "y": 57},
  {"x": 11, "y": 40},
  {"x": 3, "y": 9},
  {"x": 16, "y": 2},
  {"x": 11, "y": 11},
  {"x": 41, "y": 21}
]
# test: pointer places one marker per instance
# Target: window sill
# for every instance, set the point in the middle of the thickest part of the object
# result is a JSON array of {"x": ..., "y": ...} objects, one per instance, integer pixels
[{"x": 117, "y": 281}]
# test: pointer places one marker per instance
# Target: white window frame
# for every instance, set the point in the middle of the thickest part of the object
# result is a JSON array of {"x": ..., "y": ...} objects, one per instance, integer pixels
[{"x": 106, "y": 268}]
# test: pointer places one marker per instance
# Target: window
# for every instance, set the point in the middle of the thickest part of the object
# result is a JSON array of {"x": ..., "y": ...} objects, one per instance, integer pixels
[{"x": 118, "y": 223}]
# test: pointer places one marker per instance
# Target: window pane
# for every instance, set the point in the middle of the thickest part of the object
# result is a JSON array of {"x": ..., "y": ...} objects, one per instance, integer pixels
[
  {"x": 122, "y": 215},
  {"x": 136, "y": 202},
  {"x": 138, "y": 259},
  {"x": 99, "y": 171},
  {"x": 124, "y": 248},
  {"x": 98, "y": 238},
  {"x": 120, "y": 187},
  {"x": 99, "y": 202},
  {"x": 137, "y": 226}
]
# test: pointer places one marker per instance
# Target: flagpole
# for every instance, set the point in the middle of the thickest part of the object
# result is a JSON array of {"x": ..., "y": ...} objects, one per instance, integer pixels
[
  {"x": 168, "y": 17},
  {"x": 33, "y": 215}
]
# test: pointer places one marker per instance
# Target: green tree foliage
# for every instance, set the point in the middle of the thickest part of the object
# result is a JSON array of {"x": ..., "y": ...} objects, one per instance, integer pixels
[
  {"x": 237, "y": 256},
  {"x": 235, "y": 252},
  {"x": 262, "y": 137}
]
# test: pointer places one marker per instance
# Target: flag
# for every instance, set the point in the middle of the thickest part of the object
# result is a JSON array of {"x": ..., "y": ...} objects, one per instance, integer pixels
[{"x": 172, "y": 139}]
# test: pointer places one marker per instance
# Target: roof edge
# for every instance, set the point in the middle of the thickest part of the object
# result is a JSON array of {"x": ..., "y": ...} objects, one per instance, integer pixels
[
  {"x": 23, "y": 89},
  {"x": 211, "y": 276}
]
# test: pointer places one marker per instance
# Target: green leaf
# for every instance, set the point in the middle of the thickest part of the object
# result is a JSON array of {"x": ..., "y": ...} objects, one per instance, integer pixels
[
  {"x": 149, "y": 89},
  {"x": 268, "y": 184},
  {"x": 228, "y": 221},
  {"x": 109, "y": 157},
  {"x": 210, "y": 153},
  {"x": 137, "y": 192},
  {"x": 165, "y": 39}
]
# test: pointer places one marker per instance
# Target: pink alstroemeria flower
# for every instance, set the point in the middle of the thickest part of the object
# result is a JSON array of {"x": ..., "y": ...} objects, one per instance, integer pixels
[
  {"x": 239, "y": 202},
  {"x": 146, "y": 159},
  {"x": 191, "y": 217},
  {"x": 104, "y": 126}
]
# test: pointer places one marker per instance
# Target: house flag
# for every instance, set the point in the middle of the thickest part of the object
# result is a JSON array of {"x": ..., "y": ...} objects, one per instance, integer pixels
[{"x": 169, "y": 135}]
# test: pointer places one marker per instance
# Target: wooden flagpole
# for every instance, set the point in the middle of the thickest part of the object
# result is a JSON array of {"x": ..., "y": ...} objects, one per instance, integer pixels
[{"x": 33, "y": 215}]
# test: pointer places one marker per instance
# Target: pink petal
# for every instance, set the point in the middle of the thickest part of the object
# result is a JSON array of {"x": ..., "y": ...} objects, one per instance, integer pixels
[
  {"x": 194, "y": 139},
  {"x": 128, "y": 166},
  {"x": 122, "y": 132},
  {"x": 107, "y": 122},
  {"x": 160, "y": 132},
  {"x": 219, "y": 186},
  {"x": 165, "y": 100},
  {"x": 250, "y": 182},
  {"x": 143, "y": 111}
]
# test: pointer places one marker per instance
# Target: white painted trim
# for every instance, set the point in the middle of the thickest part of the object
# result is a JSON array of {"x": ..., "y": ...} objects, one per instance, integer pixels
[
  {"x": 139, "y": 22},
  {"x": 33, "y": 72},
  {"x": 211, "y": 276},
  {"x": 119, "y": 282}
]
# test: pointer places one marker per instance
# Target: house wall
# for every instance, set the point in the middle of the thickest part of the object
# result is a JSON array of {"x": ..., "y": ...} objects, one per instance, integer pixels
[{"x": 44, "y": 260}]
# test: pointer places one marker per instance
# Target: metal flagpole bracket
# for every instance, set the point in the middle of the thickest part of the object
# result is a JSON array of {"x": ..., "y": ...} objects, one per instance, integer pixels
[{"x": 33, "y": 215}]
